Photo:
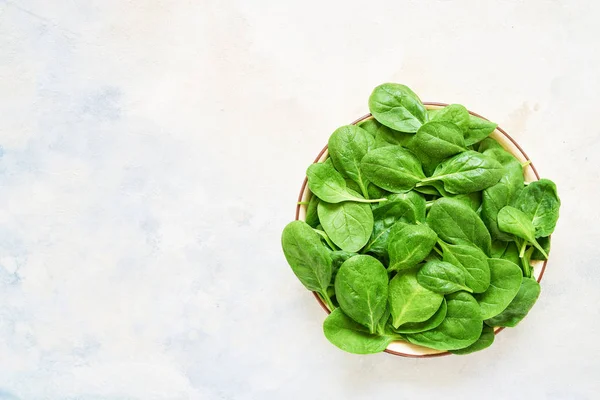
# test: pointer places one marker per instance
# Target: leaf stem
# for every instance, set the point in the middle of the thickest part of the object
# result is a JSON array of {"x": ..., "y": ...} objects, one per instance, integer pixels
[
  {"x": 359, "y": 200},
  {"x": 363, "y": 189},
  {"x": 438, "y": 251},
  {"x": 303, "y": 203},
  {"x": 525, "y": 164},
  {"x": 327, "y": 300},
  {"x": 522, "y": 250}
]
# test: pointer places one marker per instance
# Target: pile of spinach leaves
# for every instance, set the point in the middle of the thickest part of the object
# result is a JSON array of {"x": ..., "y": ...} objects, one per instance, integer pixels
[{"x": 420, "y": 228}]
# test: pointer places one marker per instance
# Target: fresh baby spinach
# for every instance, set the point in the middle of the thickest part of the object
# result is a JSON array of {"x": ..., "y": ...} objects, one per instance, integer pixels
[
  {"x": 420, "y": 228},
  {"x": 348, "y": 224},
  {"x": 409, "y": 244},
  {"x": 392, "y": 168},
  {"x": 397, "y": 107},
  {"x": 411, "y": 302},
  {"x": 466, "y": 172},
  {"x": 442, "y": 277},
  {"x": 361, "y": 288}
]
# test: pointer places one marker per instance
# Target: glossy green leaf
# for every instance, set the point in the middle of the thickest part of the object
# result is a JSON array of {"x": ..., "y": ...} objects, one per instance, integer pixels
[
  {"x": 392, "y": 168},
  {"x": 505, "y": 281},
  {"x": 457, "y": 223},
  {"x": 456, "y": 114},
  {"x": 486, "y": 339},
  {"x": 433, "y": 321},
  {"x": 438, "y": 140},
  {"x": 473, "y": 261},
  {"x": 466, "y": 172},
  {"x": 312, "y": 218},
  {"x": 347, "y": 146},
  {"x": 461, "y": 327},
  {"x": 348, "y": 224},
  {"x": 519, "y": 307},
  {"x": 442, "y": 277},
  {"x": 329, "y": 185},
  {"x": 409, "y": 244},
  {"x": 361, "y": 288},
  {"x": 478, "y": 130},
  {"x": 307, "y": 255},
  {"x": 515, "y": 222},
  {"x": 539, "y": 201},
  {"x": 353, "y": 337},
  {"x": 397, "y": 107},
  {"x": 411, "y": 302}
]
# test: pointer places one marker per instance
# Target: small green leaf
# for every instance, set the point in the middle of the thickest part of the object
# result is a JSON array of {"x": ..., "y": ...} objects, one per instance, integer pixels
[
  {"x": 411, "y": 302},
  {"x": 397, "y": 107}
]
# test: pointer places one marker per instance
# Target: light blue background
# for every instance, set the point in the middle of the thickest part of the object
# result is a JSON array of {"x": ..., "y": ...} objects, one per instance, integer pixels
[{"x": 152, "y": 151}]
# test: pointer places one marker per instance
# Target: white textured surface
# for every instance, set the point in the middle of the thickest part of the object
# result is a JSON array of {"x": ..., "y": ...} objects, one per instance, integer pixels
[{"x": 152, "y": 152}]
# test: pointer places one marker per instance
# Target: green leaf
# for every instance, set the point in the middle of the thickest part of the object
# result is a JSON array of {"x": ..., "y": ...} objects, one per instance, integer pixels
[
  {"x": 456, "y": 114},
  {"x": 545, "y": 243},
  {"x": 361, "y": 288},
  {"x": 456, "y": 223},
  {"x": 351, "y": 336},
  {"x": 433, "y": 321},
  {"x": 472, "y": 200},
  {"x": 337, "y": 259},
  {"x": 478, "y": 130},
  {"x": 392, "y": 168},
  {"x": 473, "y": 261},
  {"x": 411, "y": 302},
  {"x": 505, "y": 280},
  {"x": 383, "y": 135},
  {"x": 485, "y": 340},
  {"x": 312, "y": 218},
  {"x": 519, "y": 307},
  {"x": 442, "y": 277},
  {"x": 408, "y": 245},
  {"x": 347, "y": 146},
  {"x": 397, "y": 107},
  {"x": 329, "y": 185},
  {"x": 489, "y": 143},
  {"x": 370, "y": 126},
  {"x": 307, "y": 255},
  {"x": 517, "y": 223},
  {"x": 539, "y": 201},
  {"x": 348, "y": 224},
  {"x": 406, "y": 207},
  {"x": 501, "y": 194},
  {"x": 498, "y": 248},
  {"x": 438, "y": 140},
  {"x": 511, "y": 253},
  {"x": 461, "y": 327},
  {"x": 466, "y": 172}
]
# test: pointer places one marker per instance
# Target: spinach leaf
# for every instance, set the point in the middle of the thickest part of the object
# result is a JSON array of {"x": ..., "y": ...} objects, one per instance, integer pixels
[
  {"x": 442, "y": 277},
  {"x": 329, "y": 185},
  {"x": 438, "y": 140},
  {"x": 519, "y": 307},
  {"x": 370, "y": 126},
  {"x": 392, "y": 168},
  {"x": 352, "y": 337},
  {"x": 361, "y": 288},
  {"x": 348, "y": 224},
  {"x": 505, "y": 281},
  {"x": 408, "y": 245},
  {"x": 498, "y": 248},
  {"x": 485, "y": 340},
  {"x": 473, "y": 261},
  {"x": 433, "y": 321},
  {"x": 411, "y": 302},
  {"x": 539, "y": 201},
  {"x": 326, "y": 239},
  {"x": 347, "y": 146},
  {"x": 312, "y": 219},
  {"x": 383, "y": 135},
  {"x": 456, "y": 223},
  {"x": 397, "y": 107},
  {"x": 489, "y": 143},
  {"x": 478, "y": 130},
  {"x": 307, "y": 255},
  {"x": 517, "y": 223},
  {"x": 473, "y": 200},
  {"x": 511, "y": 253},
  {"x": 502, "y": 193},
  {"x": 337, "y": 259},
  {"x": 456, "y": 114},
  {"x": 461, "y": 327},
  {"x": 545, "y": 243},
  {"x": 407, "y": 207},
  {"x": 466, "y": 172}
]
